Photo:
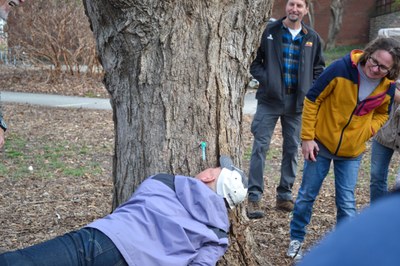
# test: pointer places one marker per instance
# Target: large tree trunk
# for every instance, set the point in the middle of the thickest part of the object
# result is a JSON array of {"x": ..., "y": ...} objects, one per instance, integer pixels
[
  {"x": 176, "y": 72},
  {"x": 337, "y": 8}
]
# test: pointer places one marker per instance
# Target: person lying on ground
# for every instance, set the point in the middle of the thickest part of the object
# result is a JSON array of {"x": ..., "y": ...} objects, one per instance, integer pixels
[{"x": 169, "y": 220}]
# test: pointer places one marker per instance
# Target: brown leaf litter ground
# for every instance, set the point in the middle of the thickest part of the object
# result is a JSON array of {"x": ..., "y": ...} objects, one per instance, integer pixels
[{"x": 52, "y": 197}]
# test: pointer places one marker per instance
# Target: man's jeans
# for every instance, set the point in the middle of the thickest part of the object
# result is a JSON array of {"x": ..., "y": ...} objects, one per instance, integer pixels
[
  {"x": 87, "y": 246},
  {"x": 380, "y": 160},
  {"x": 262, "y": 127},
  {"x": 346, "y": 174}
]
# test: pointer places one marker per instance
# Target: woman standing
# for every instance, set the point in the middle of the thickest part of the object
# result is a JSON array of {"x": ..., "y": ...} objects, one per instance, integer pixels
[{"x": 385, "y": 143}]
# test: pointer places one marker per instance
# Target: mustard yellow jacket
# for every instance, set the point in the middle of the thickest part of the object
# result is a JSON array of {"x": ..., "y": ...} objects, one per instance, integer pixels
[{"x": 334, "y": 116}]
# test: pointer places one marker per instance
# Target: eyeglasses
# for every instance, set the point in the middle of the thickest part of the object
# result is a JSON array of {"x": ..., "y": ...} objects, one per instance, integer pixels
[{"x": 383, "y": 69}]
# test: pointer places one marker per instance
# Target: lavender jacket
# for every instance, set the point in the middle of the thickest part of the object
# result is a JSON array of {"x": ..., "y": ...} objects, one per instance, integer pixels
[{"x": 169, "y": 220}]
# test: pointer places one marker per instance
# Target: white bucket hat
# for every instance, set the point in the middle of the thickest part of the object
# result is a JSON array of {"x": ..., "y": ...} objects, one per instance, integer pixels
[{"x": 231, "y": 183}]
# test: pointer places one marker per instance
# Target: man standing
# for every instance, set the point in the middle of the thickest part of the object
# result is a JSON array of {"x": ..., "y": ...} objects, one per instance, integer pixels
[
  {"x": 288, "y": 60},
  {"x": 3, "y": 128},
  {"x": 5, "y": 8}
]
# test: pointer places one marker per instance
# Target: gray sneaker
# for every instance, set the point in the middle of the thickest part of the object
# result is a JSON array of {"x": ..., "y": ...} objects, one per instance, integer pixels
[
  {"x": 294, "y": 251},
  {"x": 254, "y": 210}
]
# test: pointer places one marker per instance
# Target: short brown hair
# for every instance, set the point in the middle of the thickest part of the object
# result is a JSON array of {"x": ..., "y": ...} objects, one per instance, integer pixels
[
  {"x": 307, "y": 2},
  {"x": 388, "y": 44}
]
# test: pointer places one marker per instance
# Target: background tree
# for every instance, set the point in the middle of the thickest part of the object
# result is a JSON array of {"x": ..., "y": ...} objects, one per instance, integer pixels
[
  {"x": 176, "y": 72},
  {"x": 53, "y": 33},
  {"x": 310, "y": 15},
  {"x": 337, "y": 8}
]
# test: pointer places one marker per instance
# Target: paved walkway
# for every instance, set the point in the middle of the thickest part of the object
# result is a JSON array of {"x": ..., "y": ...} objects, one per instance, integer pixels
[
  {"x": 55, "y": 100},
  {"x": 250, "y": 104}
]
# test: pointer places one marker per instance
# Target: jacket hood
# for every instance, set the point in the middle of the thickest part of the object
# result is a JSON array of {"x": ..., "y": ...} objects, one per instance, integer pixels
[
  {"x": 355, "y": 56},
  {"x": 203, "y": 204}
]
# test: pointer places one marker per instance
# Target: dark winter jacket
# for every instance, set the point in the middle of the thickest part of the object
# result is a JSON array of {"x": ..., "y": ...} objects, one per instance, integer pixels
[{"x": 267, "y": 67}]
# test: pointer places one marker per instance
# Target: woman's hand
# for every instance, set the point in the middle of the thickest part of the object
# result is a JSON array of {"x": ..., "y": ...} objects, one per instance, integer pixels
[{"x": 310, "y": 150}]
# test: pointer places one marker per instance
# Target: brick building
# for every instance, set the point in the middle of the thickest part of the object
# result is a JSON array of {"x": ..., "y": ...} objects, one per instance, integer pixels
[
  {"x": 361, "y": 19},
  {"x": 387, "y": 15}
]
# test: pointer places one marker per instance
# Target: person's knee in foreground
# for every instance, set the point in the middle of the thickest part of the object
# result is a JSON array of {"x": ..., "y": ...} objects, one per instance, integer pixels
[
  {"x": 344, "y": 108},
  {"x": 169, "y": 220},
  {"x": 369, "y": 239},
  {"x": 284, "y": 78}
]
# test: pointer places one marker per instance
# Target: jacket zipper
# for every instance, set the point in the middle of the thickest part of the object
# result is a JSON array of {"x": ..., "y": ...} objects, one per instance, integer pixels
[
  {"x": 344, "y": 128},
  {"x": 351, "y": 116},
  {"x": 358, "y": 107}
]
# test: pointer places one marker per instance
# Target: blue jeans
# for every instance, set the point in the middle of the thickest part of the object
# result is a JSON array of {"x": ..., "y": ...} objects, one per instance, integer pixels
[
  {"x": 262, "y": 127},
  {"x": 87, "y": 246},
  {"x": 346, "y": 174},
  {"x": 380, "y": 160}
]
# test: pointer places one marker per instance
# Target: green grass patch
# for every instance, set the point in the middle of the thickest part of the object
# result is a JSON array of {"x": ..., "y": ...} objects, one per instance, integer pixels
[
  {"x": 338, "y": 52},
  {"x": 247, "y": 153},
  {"x": 91, "y": 94},
  {"x": 14, "y": 150},
  {"x": 80, "y": 171},
  {"x": 274, "y": 153},
  {"x": 23, "y": 158}
]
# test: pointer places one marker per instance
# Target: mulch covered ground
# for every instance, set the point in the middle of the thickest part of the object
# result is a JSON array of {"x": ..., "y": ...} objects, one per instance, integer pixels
[{"x": 35, "y": 207}]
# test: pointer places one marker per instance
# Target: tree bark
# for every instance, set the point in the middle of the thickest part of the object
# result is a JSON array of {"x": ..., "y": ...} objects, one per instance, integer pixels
[
  {"x": 337, "y": 8},
  {"x": 176, "y": 72},
  {"x": 311, "y": 14}
]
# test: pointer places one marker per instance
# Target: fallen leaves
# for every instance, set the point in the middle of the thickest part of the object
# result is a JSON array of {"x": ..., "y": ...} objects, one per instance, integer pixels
[{"x": 35, "y": 208}]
